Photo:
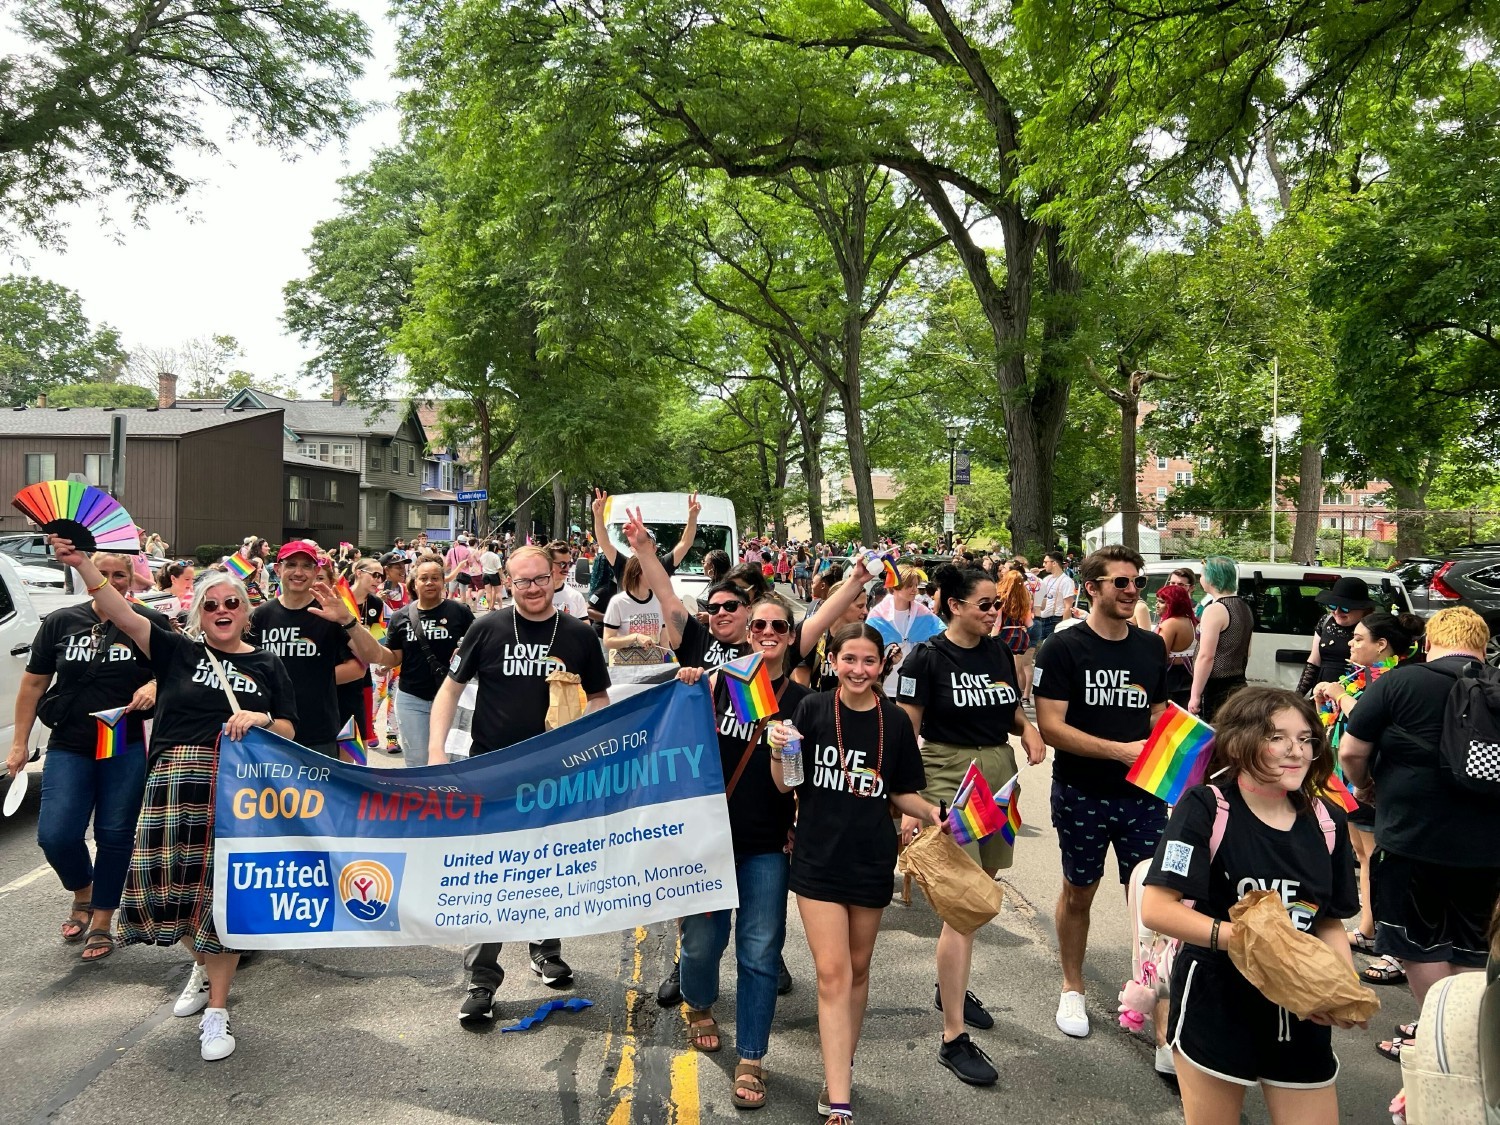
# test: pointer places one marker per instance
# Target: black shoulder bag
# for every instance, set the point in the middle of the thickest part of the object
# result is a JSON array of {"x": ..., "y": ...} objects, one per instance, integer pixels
[
  {"x": 414, "y": 622},
  {"x": 54, "y": 703}
]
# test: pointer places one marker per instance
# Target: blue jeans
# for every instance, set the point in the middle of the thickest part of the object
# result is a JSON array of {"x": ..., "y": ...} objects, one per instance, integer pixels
[
  {"x": 75, "y": 789},
  {"x": 759, "y": 934},
  {"x": 416, "y": 722}
]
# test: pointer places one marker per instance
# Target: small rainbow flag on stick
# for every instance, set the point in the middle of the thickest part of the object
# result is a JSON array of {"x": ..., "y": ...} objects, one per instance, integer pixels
[
  {"x": 346, "y": 595},
  {"x": 1009, "y": 800},
  {"x": 351, "y": 745},
  {"x": 237, "y": 566},
  {"x": 110, "y": 738},
  {"x": 1339, "y": 792},
  {"x": 748, "y": 682},
  {"x": 878, "y": 564},
  {"x": 974, "y": 814},
  {"x": 1176, "y": 755}
]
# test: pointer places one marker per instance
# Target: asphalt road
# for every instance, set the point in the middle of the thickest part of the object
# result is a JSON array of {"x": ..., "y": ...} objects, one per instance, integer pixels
[{"x": 360, "y": 1036}]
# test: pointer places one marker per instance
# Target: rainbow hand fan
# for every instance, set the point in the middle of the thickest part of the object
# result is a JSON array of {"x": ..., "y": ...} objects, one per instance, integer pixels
[{"x": 89, "y": 517}]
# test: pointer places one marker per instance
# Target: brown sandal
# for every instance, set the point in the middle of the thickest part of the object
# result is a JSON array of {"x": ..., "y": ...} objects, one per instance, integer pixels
[
  {"x": 72, "y": 929},
  {"x": 101, "y": 940},
  {"x": 749, "y": 1076},
  {"x": 701, "y": 1027}
]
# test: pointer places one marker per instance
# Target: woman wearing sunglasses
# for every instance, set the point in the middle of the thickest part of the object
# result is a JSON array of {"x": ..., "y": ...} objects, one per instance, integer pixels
[
  {"x": 90, "y": 666},
  {"x": 357, "y": 695},
  {"x": 169, "y": 889},
  {"x": 1224, "y": 634},
  {"x": 961, "y": 692}
]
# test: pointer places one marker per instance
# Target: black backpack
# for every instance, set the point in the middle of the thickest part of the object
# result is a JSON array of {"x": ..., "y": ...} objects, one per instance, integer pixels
[{"x": 1469, "y": 748}]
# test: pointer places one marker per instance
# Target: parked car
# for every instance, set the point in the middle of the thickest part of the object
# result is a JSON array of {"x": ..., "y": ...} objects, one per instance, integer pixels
[
  {"x": 19, "y": 621},
  {"x": 1282, "y": 597},
  {"x": 1468, "y": 575},
  {"x": 30, "y": 549}
]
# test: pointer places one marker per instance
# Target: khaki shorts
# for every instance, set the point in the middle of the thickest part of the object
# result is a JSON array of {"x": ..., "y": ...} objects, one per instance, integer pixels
[{"x": 946, "y": 765}]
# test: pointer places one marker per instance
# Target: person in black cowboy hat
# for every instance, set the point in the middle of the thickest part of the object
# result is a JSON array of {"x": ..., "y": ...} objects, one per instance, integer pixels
[{"x": 1348, "y": 600}]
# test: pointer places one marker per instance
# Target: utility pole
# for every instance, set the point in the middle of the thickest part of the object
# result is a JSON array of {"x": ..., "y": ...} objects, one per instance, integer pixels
[
  {"x": 1275, "y": 442},
  {"x": 949, "y": 517}
]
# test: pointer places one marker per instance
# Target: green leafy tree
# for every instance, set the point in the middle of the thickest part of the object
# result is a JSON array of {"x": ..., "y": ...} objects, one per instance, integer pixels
[
  {"x": 46, "y": 340},
  {"x": 101, "y": 394},
  {"x": 104, "y": 97}
]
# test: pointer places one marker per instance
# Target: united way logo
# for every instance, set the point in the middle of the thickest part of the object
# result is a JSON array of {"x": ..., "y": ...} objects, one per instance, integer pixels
[{"x": 366, "y": 889}]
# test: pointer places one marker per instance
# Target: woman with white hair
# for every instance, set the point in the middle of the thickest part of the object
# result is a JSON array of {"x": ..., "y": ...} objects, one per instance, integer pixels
[{"x": 208, "y": 679}]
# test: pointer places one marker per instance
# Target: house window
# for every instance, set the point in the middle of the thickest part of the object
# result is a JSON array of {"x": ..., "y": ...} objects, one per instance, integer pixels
[
  {"x": 411, "y": 460},
  {"x": 1205, "y": 523},
  {"x": 372, "y": 522},
  {"x": 1161, "y": 494},
  {"x": 414, "y": 515},
  {"x": 1161, "y": 523},
  {"x": 1184, "y": 477},
  {"x": 333, "y": 490},
  {"x": 97, "y": 468},
  {"x": 445, "y": 476},
  {"x": 343, "y": 456},
  {"x": 294, "y": 511},
  {"x": 437, "y": 518},
  {"x": 296, "y": 487},
  {"x": 309, "y": 449},
  {"x": 375, "y": 457},
  {"x": 1161, "y": 462},
  {"x": 40, "y": 467}
]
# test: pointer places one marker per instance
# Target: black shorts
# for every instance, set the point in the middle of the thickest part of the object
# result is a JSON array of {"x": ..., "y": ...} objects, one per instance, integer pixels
[
  {"x": 1221, "y": 1024},
  {"x": 1432, "y": 914},
  {"x": 493, "y": 579},
  {"x": 1087, "y": 826}
]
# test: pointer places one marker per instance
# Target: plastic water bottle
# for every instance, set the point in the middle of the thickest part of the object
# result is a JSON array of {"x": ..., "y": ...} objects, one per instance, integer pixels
[{"x": 791, "y": 756}]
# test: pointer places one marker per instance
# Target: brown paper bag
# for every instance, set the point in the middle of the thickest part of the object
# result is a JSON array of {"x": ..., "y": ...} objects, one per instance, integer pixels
[
  {"x": 959, "y": 890},
  {"x": 1292, "y": 969},
  {"x": 566, "y": 700}
]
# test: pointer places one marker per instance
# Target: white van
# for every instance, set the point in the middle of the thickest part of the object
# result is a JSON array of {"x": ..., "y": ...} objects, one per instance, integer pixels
[
  {"x": 1282, "y": 597},
  {"x": 665, "y": 513}
]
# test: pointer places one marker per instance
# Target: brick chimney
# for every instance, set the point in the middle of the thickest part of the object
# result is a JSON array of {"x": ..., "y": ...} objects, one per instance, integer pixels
[
  {"x": 41, "y": 400},
  {"x": 339, "y": 395},
  {"x": 166, "y": 390}
]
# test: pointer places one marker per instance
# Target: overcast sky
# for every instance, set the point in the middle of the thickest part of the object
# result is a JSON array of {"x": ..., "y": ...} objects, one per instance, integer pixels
[{"x": 220, "y": 267}]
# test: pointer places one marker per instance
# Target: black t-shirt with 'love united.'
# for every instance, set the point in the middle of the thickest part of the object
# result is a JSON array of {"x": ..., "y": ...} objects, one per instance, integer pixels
[
  {"x": 510, "y": 656},
  {"x": 312, "y": 648},
  {"x": 443, "y": 627},
  {"x": 846, "y": 841},
  {"x": 69, "y": 646},
  {"x": 191, "y": 705},
  {"x": 760, "y": 814},
  {"x": 967, "y": 695},
  {"x": 1110, "y": 688}
]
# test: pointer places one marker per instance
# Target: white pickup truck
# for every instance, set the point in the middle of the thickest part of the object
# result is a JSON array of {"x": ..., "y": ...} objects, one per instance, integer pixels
[{"x": 21, "y": 611}]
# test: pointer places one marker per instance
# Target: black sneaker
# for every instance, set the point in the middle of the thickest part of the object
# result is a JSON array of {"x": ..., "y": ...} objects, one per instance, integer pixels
[
  {"x": 967, "y": 1061},
  {"x": 670, "y": 992},
  {"x": 479, "y": 1007},
  {"x": 552, "y": 969},
  {"x": 974, "y": 1012},
  {"x": 783, "y": 979}
]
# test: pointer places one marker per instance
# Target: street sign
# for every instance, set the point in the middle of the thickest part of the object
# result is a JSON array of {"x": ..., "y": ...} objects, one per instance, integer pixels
[
  {"x": 948, "y": 521},
  {"x": 476, "y": 494},
  {"x": 961, "y": 467},
  {"x": 950, "y": 504}
]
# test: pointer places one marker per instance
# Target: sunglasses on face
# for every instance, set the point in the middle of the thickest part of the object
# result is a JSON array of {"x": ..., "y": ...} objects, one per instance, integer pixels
[
  {"x": 1121, "y": 582},
  {"x": 713, "y": 609},
  {"x": 983, "y": 605},
  {"x": 230, "y": 603},
  {"x": 777, "y": 625},
  {"x": 1341, "y": 609}
]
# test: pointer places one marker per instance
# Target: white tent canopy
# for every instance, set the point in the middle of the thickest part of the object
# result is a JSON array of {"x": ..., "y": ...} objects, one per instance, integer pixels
[{"x": 1114, "y": 532}]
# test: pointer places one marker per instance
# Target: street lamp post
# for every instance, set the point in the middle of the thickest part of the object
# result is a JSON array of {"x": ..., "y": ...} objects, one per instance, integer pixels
[{"x": 952, "y": 446}]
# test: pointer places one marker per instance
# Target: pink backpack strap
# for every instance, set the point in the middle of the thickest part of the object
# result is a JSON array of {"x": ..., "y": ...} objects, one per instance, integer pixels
[
  {"x": 1325, "y": 822},
  {"x": 1221, "y": 821}
]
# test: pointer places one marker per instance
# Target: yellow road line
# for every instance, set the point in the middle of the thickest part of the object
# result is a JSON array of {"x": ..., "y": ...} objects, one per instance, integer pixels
[
  {"x": 624, "y": 1081},
  {"x": 683, "y": 1108}
]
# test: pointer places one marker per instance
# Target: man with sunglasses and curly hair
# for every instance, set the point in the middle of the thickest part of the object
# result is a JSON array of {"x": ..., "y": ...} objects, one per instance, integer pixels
[{"x": 1099, "y": 687}]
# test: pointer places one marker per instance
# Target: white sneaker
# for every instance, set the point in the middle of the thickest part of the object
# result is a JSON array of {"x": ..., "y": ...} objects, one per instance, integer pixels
[
  {"x": 194, "y": 996},
  {"x": 1072, "y": 1018},
  {"x": 1165, "y": 1063},
  {"x": 215, "y": 1039}
]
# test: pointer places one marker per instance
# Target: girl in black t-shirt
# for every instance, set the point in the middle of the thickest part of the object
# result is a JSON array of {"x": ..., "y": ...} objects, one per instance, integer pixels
[
  {"x": 1263, "y": 825},
  {"x": 860, "y": 760},
  {"x": 961, "y": 693}
]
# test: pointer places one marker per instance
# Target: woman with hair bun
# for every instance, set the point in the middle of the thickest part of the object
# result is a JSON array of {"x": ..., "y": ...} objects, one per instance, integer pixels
[{"x": 961, "y": 693}]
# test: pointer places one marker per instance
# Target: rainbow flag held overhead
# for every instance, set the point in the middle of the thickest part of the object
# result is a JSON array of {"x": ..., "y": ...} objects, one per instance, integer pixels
[
  {"x": 1176, "y": 755},
  {"x": 237, "y": 566},
  {"x": 882, "y": 566},
  {"x": 1009, "y": 800},
  {"x": 346, "y": 595},
  {"x": 109, "y": 740},
  {"x": 1337, "y": 791},
  {"x": 350, "y": 744},
  {"x": 974, "y": 814},
  {"x": 748, "y": 682}
]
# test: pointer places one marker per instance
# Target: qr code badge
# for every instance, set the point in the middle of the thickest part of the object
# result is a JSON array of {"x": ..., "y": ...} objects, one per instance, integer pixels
[
  {"x": 907, "y": 687},
  {"x": 1177, "y": 858}
]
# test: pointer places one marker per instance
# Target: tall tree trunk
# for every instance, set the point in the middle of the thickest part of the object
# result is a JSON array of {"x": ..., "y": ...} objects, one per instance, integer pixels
[
  {"x": 559, "y": 509},
  {"x": 778, "y": 496},
  {"x": 1411, "y": 519},
  {"x": 1130, "y": 497},
  {"x": 1309, "y": 501}
]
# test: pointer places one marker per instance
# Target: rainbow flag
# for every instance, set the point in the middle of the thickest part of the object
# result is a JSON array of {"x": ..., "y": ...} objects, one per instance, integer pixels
[
  {"x": 109, "y": 740},
  {"x": 878, "y": 564},
  {"x": 748, "y": 682},
  {"x": 974, "y": 814},
  {"x": 1339, "y": 792},
  {"x": 1009, "y": 800},
  {"x": 346, "y": 595},
  {"x": 350, "y": 743},
  {"x": 239, "y": 567},
  {"x": 1176, "y": 755}
]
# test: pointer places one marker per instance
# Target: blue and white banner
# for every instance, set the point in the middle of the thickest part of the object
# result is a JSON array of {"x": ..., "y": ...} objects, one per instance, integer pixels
[{"x": 616, "y": 820}]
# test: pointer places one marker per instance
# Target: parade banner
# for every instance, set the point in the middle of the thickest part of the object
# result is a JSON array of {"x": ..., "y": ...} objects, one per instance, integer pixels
[{"x": 616, "y": 820}]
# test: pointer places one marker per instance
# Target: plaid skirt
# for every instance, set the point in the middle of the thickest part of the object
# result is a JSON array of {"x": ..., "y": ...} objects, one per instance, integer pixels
[{"x": 169, "y": 889}]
